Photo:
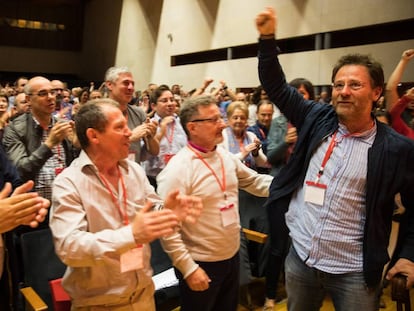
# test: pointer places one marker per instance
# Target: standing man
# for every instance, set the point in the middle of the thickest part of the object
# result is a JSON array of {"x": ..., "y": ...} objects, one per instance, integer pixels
[
  {"x": 40, "y": 147},
  {"x": 206, "y": 256},
  {"x": 120, "y": 83},
  {"x": 102, "y": 218},
  {"x": 264, "y": 114},
  {"x": 36, "y": 142},
  {"x": 338, "y": 187}
]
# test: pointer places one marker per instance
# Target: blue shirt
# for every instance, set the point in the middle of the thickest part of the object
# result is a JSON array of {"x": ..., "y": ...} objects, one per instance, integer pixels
[
  {"x": 261, "y": 132},
  {"x": 330, "y": 237}
]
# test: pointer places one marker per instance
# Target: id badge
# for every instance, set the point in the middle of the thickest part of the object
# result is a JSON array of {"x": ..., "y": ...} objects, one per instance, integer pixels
[
  {"x": 315, "y": 193},
  {"x": 229, "y": 215},
  {"x": 132, "y": 259},
  {"x": 167, "y": 158}
]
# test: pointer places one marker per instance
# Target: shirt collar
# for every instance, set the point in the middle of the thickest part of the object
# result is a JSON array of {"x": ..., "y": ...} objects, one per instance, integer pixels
[{"x": 85, "y": 161}]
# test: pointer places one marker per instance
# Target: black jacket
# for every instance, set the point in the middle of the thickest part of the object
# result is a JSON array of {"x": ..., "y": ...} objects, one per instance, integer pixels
[
  {"x": 390, "y": 164},
  {"x": 23, "y": 142}
]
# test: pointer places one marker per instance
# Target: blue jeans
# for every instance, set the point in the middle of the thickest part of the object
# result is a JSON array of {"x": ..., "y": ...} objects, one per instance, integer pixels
[{"x": 306, "y": 288}]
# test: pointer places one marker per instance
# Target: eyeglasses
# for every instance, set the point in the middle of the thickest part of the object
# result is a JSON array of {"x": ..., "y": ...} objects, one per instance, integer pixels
[
  {"x": 166, "y": 100},
  {"x": 44, "y": 93},
  {"x": 354, "y": 85},
  {"x": 212, "y": 120}
]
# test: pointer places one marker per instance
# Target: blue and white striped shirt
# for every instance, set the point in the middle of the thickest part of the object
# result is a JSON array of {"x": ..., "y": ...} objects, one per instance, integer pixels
[{"x": 330, "y": 237}]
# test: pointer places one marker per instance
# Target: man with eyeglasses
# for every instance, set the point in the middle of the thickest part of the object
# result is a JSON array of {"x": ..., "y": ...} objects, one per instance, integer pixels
[
  {"x": 206, "y": 255},
  {"x": 38, "y": 144},
  {"x": 338, "y": 188}
]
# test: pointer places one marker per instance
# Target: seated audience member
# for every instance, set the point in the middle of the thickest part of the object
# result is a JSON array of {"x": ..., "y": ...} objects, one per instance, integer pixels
[
  {"x": 206, "y": 256},
  {"x": 170, "y": 133},
  {"x": 335, "y": 192},
  {"x": 397, "y": 109},
  {"x": 102, "y": 216}
]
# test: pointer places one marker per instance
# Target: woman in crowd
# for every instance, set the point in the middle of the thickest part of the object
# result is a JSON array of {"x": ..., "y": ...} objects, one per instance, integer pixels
[
  {"x": 170, "y": 133},
  {"x": 239, "y": 141}
]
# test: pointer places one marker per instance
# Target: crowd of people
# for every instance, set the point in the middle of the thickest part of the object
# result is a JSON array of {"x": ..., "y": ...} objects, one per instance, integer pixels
[{"x": 322, "y": 175}]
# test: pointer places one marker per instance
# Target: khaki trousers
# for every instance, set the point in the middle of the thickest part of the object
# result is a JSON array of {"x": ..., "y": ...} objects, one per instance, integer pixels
[{"x": 141, "y": 300}]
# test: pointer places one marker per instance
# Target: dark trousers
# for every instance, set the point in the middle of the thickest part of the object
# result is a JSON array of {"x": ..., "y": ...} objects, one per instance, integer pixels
[
  {"x": 279, "y": 246},
  {"x": 223, "y": 293}
]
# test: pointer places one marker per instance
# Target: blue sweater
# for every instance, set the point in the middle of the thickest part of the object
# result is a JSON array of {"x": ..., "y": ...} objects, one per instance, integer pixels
[{"x": 390, "y": 165}]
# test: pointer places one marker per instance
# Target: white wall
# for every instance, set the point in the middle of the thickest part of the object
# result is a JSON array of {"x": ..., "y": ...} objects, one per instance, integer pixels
[
  {"x": 136, "y": 33},
  {"x": 210, "y": 24}
]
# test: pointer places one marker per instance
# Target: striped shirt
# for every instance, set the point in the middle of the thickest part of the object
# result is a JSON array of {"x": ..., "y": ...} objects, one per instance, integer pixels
[
  {"x": 47, "y": 173},
  {"x": 330, "y": 237}
]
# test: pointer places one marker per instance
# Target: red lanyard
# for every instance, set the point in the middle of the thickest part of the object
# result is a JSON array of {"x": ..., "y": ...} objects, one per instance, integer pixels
[
  {"x": 328, "y": 153},
  {"x": 124, "y": 213},
  {"x": 60, "y": 160},
  {"x": 171, "y": 136},
  {"x": 327, "y": 156},
  {"x": 262, "y": 133},
  {"x": 222, "y": 183}
]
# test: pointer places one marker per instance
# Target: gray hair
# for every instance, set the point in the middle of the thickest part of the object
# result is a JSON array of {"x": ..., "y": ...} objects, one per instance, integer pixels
[
  {"x": 113, "y": 73},
  {"x": 189, "y": 108}
]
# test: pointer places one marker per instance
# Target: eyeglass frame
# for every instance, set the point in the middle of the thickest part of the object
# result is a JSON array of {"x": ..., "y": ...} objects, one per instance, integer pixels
[
  {"x": 353, "y": 85},
  {"x": 44, "y": 93},
  {"x": 216, "y": 120}
]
